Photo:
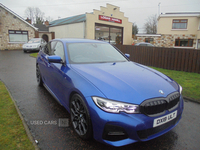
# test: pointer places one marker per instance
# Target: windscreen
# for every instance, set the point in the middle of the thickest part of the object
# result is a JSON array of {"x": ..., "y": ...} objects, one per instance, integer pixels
[
  {"x": 93, "y": 53},
  {"x": 34, "y": 41}
]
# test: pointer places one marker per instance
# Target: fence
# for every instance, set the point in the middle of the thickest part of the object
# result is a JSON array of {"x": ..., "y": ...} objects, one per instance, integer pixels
[{"x": 167, "y": 58}]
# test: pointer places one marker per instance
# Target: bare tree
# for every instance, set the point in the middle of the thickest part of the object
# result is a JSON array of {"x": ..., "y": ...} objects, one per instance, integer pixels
[
  {"x": 150, "y": 26},
  {"x": 39, "y": 16},
  {"x": 29, "y": 12},
  {"x": 134, "y": 29},
  {"x": 35, "y": 14}
]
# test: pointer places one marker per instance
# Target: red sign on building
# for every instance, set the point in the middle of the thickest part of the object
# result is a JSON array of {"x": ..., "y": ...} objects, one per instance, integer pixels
[{"x": 110, "y": 19}]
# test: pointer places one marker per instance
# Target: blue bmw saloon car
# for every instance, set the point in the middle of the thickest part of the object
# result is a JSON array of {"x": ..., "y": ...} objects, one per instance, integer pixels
[{"x": 109, "y": 98}]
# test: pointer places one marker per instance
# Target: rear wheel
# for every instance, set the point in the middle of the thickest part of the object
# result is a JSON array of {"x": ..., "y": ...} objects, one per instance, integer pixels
[
  {"x": 38, "y": 76},
  {"x": 80, "y": 117}
]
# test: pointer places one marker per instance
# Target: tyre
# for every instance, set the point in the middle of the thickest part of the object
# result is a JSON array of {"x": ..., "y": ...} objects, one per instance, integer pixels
[
  {"x": 38, "y": 76},
  {"x": 25, "y": 51},
  {"x": 80, "y": 117}
]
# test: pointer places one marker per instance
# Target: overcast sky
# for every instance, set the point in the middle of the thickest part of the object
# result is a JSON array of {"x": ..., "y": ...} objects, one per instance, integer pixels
[{"x": 136, "y": 10}]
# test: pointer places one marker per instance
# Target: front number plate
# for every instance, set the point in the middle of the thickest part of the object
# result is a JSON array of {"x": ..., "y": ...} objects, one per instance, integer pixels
[{"x": 164, "y": 119}]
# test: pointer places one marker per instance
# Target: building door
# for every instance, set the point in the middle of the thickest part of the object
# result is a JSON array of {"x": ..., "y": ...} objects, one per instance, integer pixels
[{"x": 45, "y": 37}]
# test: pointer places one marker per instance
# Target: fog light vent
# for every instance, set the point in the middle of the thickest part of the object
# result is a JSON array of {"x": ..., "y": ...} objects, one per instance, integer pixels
[{"x": 114, "y": 133}]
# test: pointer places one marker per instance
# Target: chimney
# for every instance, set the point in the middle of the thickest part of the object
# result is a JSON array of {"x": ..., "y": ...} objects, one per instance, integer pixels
[
  {"x": 46, "y": 23},
  {"x": 28, "y": 20}
]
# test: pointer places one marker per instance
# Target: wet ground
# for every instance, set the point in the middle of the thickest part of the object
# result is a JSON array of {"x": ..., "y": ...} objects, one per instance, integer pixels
[{"x": 47, "y": 120}]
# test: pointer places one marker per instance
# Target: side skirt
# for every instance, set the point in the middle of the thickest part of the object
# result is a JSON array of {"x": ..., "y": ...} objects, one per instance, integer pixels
[{"x": 54, "y": 96}]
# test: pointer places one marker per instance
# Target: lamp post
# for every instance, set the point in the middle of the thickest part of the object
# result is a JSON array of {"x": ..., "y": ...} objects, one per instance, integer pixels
[{"x": 159, "y": 8}]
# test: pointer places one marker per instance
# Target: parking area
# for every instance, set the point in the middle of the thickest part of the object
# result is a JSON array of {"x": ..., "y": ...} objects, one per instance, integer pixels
[{"x": 48, "y": 121}]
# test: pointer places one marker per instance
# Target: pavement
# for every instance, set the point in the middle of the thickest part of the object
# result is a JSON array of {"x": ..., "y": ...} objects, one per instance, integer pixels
[{"x": 48, "y": 124}]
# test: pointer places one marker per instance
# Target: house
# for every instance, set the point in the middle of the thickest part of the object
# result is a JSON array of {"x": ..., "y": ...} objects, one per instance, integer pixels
[
  {"x": 108, "y": 24},
  {"x": 14, "y": 30},
  {"x": 43, "y": 31},
  {"x": 181, "y": 30}
]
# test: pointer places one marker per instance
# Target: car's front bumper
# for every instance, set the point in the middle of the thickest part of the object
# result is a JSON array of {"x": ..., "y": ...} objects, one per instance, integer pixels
[
  {"x": 122, "y": 129},
  {"x": 31, "y": 49}
]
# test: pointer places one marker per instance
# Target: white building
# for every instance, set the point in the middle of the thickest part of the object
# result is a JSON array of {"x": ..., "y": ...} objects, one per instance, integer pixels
[{"x": 107, "y": 24}]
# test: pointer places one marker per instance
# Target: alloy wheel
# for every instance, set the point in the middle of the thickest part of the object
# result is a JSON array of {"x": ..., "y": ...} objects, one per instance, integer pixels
[{"x": 80, "y": 117}]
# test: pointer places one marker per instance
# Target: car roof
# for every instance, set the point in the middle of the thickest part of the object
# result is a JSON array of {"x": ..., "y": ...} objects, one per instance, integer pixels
[{"x": 74, "y": 40}]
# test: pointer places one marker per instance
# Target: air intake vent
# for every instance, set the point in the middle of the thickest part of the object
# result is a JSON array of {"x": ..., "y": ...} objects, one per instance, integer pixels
[
  {"x": 157, "y": 106},
  {"x": 173, "y": 100}
]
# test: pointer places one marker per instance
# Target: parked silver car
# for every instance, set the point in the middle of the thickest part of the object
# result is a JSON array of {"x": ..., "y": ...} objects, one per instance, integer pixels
[{"x": 34, "y": 44}]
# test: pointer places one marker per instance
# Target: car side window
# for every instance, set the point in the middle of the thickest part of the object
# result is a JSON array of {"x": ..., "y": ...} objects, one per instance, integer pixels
[
  {"x": 51, "y": 46},
  {"x": 47, "y": 49},
  {"x": 59, "y": 50},
  {"x": 53, "y": 43}
]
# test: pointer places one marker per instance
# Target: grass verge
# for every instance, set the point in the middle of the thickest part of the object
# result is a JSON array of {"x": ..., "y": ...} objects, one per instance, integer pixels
[
  {"x": 34, "y": 55},
  {"x": 189, "y": 81},
  {"x": 12, "y": 132}
]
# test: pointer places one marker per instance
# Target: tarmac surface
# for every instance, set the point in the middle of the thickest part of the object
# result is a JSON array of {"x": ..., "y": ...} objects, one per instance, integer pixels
[{"x": 48, "y": 121}]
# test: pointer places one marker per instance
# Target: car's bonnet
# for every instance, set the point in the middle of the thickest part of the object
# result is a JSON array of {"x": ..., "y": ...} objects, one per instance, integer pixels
[{"x": 126, "y": 81}]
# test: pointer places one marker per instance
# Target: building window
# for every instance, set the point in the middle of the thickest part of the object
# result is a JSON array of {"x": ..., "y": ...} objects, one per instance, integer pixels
[
  {"x": 110, "y": 34},
  {"x": 149, "y": 40},
  {"x": 184, "y": 42},
  {"x": 18, "y": 36},
  {"x": 179, "y": 24}
]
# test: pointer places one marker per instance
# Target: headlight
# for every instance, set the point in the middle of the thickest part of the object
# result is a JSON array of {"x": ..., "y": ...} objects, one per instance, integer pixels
[
  {"x": 115, "y": 107},
  {"x": 180, "y": 88}
]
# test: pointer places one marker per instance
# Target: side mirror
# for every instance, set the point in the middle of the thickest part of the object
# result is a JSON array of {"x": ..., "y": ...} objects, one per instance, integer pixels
[
  {"x": 127, "y": 55},
  {"x": 54, "y": 59}
]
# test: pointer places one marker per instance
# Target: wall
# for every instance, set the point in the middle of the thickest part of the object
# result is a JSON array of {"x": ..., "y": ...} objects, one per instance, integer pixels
[
  {"x": 168, "y": 40},
  {"x": 92, "y": 18},
  {"x": 198, "y": 34},
  {"x": 10, "y": 22},
  {"x": 75, "y": 30}
]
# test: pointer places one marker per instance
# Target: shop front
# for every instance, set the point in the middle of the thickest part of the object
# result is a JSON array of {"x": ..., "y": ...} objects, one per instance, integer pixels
[
  {"x": 111, "y": 34},
  {"x": 110, "y": 25},
  {"x": 107, "y": 24}
]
